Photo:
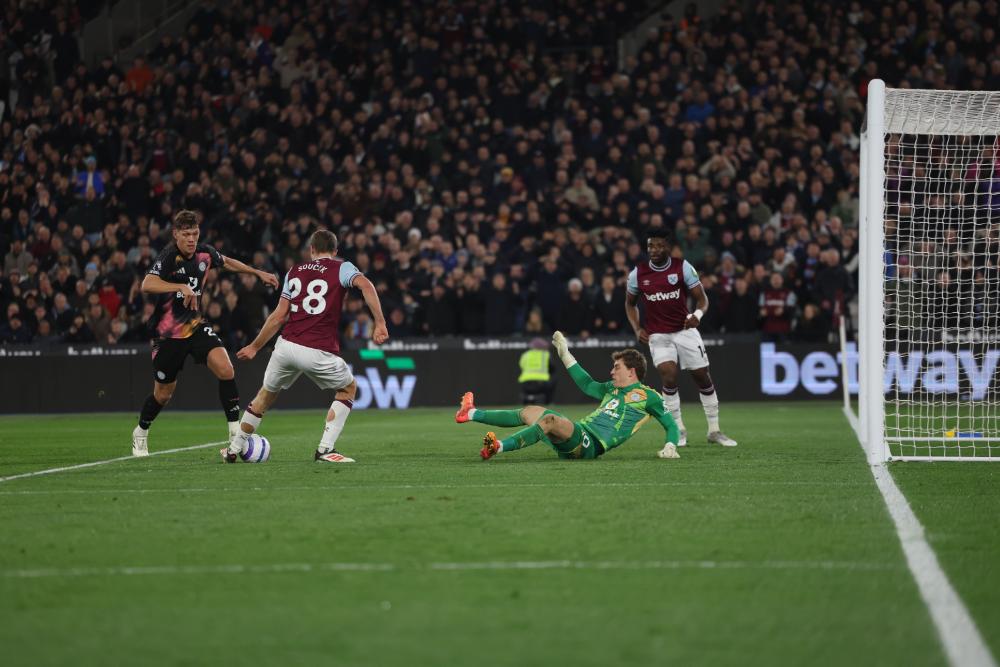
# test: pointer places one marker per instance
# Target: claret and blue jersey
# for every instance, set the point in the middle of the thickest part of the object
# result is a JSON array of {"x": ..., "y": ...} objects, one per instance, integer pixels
[
  {"x": 316, "y": 291},
  {"x": 665, "y": 291}
]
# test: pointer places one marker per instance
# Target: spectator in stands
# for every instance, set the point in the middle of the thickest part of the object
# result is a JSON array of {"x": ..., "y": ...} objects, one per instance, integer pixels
[
  {"x": 812, "y": 327},
  {"x": 832, "y": 284},
  {"x": 17, "y": 259},
  {"x": 609, "y": 307},
  {"x": 274, "y": 125},
  {"x": 777, "y": 308},
  {"x": 742, "y": 311},
  {"x": 14, "y": 331}
]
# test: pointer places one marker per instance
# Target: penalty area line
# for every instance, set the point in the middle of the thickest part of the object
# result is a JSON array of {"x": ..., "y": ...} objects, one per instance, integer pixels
[
  {"x": 281, "y": 568},
  {"x": 419, "y": 487},
  {"x": 91, "y": 464}
]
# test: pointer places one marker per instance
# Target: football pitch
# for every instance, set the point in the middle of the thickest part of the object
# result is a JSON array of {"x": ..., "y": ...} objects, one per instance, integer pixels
[{"x": 779, "y": 551}]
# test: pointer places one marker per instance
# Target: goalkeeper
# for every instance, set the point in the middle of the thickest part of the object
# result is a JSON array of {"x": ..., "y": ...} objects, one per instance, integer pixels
[{"x": 626, "y": 404}]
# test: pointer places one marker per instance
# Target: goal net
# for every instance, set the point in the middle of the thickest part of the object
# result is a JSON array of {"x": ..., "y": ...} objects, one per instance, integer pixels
[{"x": 930, "y": 280}]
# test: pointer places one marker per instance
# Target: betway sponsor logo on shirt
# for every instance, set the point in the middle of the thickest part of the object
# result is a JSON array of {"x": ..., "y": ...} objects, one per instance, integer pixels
[
  {"x": 930, "y": 371},
  {"x": 664, "y": 296}
]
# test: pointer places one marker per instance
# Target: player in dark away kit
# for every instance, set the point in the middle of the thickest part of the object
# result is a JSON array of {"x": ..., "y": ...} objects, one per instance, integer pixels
[{"x": 177, "y": 278}]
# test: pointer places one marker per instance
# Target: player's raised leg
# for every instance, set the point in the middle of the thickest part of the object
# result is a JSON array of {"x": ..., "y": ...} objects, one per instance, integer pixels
[
  {"x": 336, "y": 417},
  {"x": 468, "y": 411},
  {"x": 710, "y": 402},
  {"x": 162, "y": 392}
]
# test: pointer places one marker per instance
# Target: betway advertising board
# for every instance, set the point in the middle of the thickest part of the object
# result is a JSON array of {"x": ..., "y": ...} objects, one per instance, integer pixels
[
  {"x": 429, "y": 373},
  {"x": 797, "y": 371}
]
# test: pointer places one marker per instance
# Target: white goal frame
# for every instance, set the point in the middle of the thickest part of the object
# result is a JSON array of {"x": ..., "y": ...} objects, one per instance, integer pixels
[{"x": 871, "y": 423}]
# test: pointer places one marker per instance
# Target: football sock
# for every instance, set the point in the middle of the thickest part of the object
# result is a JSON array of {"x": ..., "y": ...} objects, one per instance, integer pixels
[
  {"x": 248, "y": 425},
  {"x": 150, "y": 409},
  {"x": 229, "y": 396},
  {"x": 523, "y": 438},
  {"x": 672, "y": 404},
  {"x": 250, "y": 421},
  {"x": 710, "y": 401},
  {"x": 341, "y": 409},
  {"x": 497, "y": 417}
]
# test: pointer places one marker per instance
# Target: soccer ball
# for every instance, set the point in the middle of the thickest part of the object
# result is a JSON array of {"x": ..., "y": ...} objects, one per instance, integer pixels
[{"x": 258, "y": 449}]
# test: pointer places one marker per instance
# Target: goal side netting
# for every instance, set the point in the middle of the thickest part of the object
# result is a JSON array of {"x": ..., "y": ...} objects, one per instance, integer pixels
[{"x": 929, "y": 335}]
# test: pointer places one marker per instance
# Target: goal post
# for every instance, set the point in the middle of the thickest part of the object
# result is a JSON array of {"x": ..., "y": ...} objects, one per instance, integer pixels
[{"x": 929, "y": 283}]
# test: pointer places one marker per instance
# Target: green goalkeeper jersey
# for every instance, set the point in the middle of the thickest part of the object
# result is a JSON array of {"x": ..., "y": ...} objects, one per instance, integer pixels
[{"x": 623, "y": 410}]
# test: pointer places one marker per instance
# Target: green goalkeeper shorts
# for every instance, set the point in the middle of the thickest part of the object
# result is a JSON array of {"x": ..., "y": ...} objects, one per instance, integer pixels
[{"x": 581, "y": 445}]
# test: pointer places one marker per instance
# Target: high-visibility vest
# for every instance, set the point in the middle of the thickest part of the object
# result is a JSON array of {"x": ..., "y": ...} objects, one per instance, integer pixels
[{"x": 534, "y": 366}]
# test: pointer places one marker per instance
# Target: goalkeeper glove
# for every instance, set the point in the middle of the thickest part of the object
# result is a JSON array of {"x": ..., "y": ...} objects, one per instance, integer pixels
[
  {"x": 562, "y": 349},
  {"x": 669, "y": 451}
]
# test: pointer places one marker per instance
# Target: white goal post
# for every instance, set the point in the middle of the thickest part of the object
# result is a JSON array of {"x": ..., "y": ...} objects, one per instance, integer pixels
[{"x": 929, "y": 331}]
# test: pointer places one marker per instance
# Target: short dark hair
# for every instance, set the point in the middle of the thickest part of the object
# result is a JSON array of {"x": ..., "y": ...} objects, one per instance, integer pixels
[
  {"x": 632, "y": 358},
  {"x": 323, "y": 240},
  {"x": 659, "y": 234},
  {"x": 185, "y": 219}
]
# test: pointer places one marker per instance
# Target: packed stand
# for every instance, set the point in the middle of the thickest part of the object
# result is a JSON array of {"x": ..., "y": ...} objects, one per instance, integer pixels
[{"x": 488, "y": 165}]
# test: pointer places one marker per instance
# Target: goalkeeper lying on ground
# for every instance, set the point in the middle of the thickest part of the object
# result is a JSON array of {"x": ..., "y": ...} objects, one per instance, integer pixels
[{"x": 626, "y": 404}]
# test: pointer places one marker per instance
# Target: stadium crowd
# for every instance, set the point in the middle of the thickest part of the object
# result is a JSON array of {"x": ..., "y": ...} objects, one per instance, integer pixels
[{"x": 489, "y": 165}]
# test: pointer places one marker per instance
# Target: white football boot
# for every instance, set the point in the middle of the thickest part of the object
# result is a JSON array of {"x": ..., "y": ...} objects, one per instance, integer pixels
[
  {"x": 332, "y": 456},
  {"x": 721, "y": 438},
  {"x": 140, "y": 442}
]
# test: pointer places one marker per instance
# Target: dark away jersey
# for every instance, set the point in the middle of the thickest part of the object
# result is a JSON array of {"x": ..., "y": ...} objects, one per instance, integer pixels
[{"x": 174, "y": 319}]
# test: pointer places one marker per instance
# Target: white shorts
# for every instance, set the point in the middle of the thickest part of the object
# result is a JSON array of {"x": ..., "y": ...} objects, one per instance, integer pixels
[
  {"x": 684, "y": 347},
  {"x": 290, "y": 360}
]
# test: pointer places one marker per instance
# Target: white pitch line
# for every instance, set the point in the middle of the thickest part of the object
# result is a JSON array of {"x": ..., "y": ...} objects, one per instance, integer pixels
[
  {"x": 280, "y": 568},
  {"x": 91, "y": 464},
  {"x": 662, "y": 565},
  {"x": 407, "y": 487},
  {"x": 957, "y": 630}
]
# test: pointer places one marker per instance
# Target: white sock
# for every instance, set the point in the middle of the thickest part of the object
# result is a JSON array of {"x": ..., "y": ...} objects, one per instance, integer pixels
[
  {"x": 472, "y": 414},
  {"x": 711, "y": 404},
  {"x": 142, "y": 431},
  {"x": 238, "y": 442},
  {"x": 341, "y": 411},
  {"x": 672, "y": 404}
]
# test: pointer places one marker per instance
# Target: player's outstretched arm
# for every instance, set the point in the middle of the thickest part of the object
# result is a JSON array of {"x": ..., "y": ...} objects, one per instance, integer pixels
[
  {"x": 654, "y": 407},
  {"x": 380, "y": 333},
  {"x": 582, "y": 378},
  {"x": 235, "y": 265},
  {"x": 272, "y": 325},
  {"x": 153, "y": 284}
]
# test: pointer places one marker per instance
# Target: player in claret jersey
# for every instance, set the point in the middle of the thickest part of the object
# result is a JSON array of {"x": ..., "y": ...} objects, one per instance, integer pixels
[
  {"x": 671, "y": 332},
  {"x": 177, "y": 278},
  {"x": 309, "y": 309}
]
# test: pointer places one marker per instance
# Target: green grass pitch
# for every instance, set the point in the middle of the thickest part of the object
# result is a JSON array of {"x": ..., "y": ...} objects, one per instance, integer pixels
[{"x": 777, "y": 552}]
